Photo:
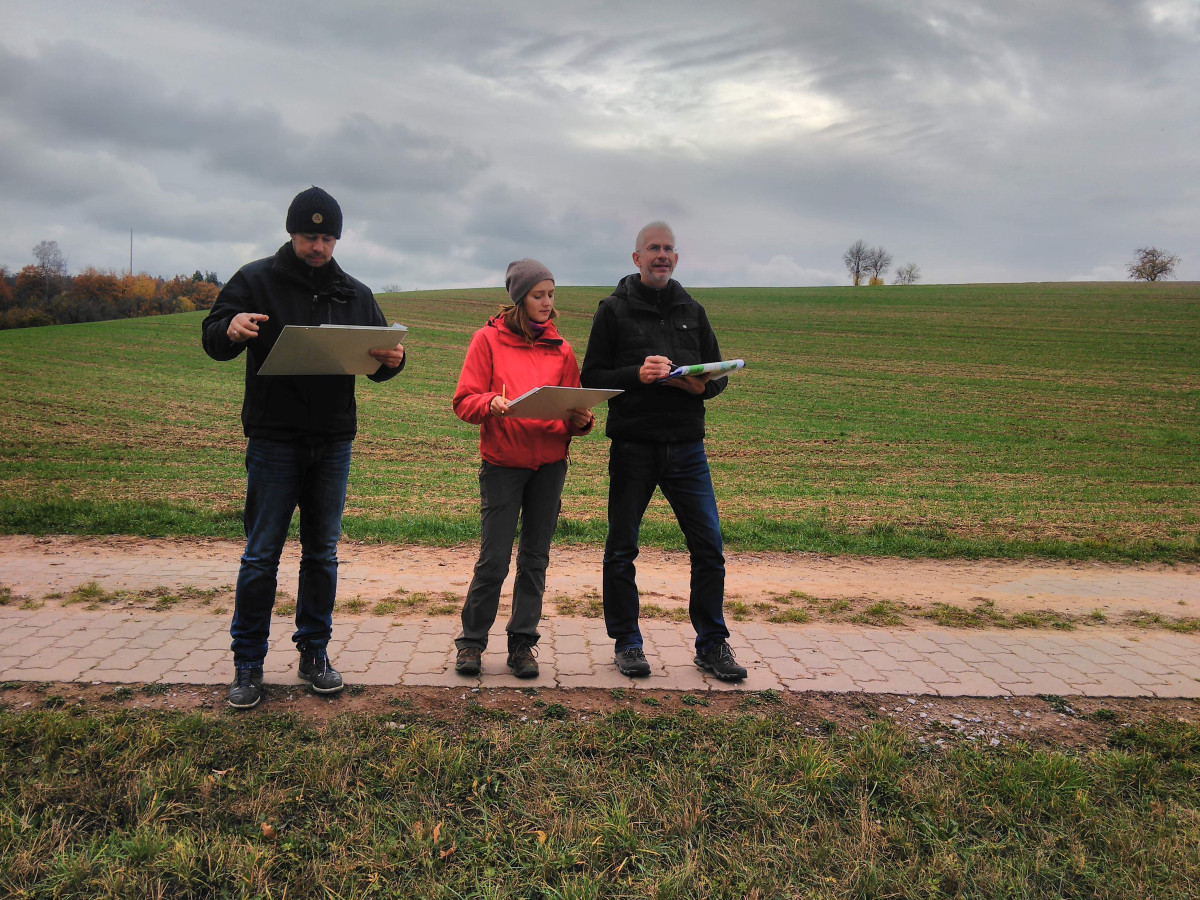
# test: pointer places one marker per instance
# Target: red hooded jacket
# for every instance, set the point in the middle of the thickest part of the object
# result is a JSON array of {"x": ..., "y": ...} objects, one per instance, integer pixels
[{"x": 500, "y": 360}]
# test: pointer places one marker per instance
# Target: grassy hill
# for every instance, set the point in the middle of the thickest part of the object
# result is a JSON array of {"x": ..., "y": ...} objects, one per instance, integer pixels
[{"x": 970, "y": 420}]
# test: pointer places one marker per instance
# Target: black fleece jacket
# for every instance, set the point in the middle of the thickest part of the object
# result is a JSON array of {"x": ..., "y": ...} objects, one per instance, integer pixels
[
  {"x": 635, "y": 322},
  {"x": 294, "y": 408}
]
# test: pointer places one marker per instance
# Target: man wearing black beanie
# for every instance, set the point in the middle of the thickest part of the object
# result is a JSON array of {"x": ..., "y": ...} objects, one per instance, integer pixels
[{"x": 299, "y": 431}]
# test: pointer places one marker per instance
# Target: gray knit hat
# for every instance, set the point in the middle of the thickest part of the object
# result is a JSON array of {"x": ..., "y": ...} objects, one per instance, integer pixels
[
  {"x": 314, "y": 212},
  {"x": 522, "y": 275}
]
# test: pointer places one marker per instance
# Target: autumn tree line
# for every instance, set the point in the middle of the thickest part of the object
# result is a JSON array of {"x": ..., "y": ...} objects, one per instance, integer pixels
[{"x": 44, "y": 293}]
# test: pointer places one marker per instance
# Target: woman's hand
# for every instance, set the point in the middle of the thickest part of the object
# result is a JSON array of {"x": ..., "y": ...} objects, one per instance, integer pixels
[
  {"x": 498, "y": 407},
  {"x": 581, "y": 418}
]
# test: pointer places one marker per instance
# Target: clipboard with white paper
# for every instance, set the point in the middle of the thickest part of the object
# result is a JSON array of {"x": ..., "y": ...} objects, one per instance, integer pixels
[
  {"x": 553, "y": 401},
  {"x": 330, "y": 349}
]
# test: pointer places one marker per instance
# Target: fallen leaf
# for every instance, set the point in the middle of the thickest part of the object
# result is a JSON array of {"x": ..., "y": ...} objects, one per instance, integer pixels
[{"x": 269, "y": 832}]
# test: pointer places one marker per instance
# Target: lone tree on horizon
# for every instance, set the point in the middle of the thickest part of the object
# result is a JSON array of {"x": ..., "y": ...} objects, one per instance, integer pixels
[
  {"x": 855, "y": 259},
  {"x": 908, "y": 274},
  {"x": 1152, "y": 264}
]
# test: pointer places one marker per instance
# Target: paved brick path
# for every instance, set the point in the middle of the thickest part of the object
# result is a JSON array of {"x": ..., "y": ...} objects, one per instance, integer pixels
[
  {"x": 132, "y": 646},
  {"x": 193, "y": 648}
]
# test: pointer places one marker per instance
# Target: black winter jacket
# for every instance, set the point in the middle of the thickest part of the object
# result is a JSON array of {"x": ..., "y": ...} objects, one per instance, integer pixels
[
  {"x": 635, "y": 322},
  {"x": 294, "y": 408}
]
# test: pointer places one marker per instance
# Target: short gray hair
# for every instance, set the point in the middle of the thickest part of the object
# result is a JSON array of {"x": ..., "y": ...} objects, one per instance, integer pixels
[{"x": 656, "y": 225}]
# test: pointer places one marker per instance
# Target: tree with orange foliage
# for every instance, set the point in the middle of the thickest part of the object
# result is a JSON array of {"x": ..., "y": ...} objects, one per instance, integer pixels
[{"x": 6, "y": 291}]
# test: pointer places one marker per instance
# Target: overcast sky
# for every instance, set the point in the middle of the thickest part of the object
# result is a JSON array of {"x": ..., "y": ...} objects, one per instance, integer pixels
[{"x": 1006, "y": 141}]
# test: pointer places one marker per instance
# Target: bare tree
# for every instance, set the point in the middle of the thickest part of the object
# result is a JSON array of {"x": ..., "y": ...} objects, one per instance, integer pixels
[
  {"x": 877, "y": 262},
  {"x": 1151, "y": 264},
  {"x": 50, "y": 258},
  {"x": 51, "y": 262},
  {"x": 909, "y": 274},
  {"x": 856, "y": 260}
]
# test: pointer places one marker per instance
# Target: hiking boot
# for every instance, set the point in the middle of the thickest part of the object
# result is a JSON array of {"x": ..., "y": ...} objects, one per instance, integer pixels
[
  {"x": 247, "y": 688},
  {"x": 468, "y": 661},
  {"x": 719, "y": 660},
  {"x": 632, "y": 663},
  {"x": 521, "y": 659},
  {"x": 316, "y": 669}
]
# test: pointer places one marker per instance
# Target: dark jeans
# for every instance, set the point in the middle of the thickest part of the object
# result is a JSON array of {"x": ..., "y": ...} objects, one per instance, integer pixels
[
  {"x": 681, "y": 471},
  {"x": 535, "y": 496},
  {"x": 279, "y": 477}
]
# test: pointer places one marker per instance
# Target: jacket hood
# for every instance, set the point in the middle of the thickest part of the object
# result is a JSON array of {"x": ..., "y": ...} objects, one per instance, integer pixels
[
  {"x": 549, "y": 336},
  {"x": 631, "y": 287}
]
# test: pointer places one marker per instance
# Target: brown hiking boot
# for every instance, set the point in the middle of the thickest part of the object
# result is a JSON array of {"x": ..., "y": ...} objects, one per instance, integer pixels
[
  {"x": 468, "y": 661},
  {"x": 521, "y": 659}
]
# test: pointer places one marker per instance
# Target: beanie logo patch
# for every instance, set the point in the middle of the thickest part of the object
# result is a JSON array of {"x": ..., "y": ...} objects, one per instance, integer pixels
[{"x": 318, "y": 218}]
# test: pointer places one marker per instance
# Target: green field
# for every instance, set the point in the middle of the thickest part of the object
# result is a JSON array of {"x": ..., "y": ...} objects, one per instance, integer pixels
[{"x": 1058, "y": 420}]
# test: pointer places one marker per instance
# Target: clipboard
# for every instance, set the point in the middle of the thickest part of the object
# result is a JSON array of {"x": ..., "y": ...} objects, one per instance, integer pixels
[
  {"x": 555, "y": 402},
  {"x": 330, "y": 349},
  {"x": 712, "y": 368}
]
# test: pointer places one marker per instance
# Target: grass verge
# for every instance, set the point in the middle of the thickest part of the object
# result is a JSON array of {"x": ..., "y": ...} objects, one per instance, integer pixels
[{"x": 622, "y": 805}]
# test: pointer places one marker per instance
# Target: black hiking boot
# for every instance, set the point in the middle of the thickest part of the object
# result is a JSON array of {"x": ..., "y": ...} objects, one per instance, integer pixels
[
  {"x": 719, "y": 660},
  {"x": 632, "y": 663},
  {"x": 316, "y": 669},
  {"x": 247, "y": 688}
]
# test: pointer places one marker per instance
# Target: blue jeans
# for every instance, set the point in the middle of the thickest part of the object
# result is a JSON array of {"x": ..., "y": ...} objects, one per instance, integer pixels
[
  {"x": 681, "y": 471},
  {"x": 279, "y": 477},
  {"x": 535, "y": 496}
]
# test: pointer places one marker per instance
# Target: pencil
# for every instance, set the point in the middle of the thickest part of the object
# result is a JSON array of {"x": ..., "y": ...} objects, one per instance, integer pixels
[{"x": 504, "y": 392}]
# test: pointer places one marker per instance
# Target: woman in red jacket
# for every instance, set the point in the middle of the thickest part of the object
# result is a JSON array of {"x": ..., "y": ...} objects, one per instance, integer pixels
[{"x": 524, "y": 462}]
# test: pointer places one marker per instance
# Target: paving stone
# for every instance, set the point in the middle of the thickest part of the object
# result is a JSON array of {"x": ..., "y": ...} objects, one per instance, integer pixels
[
  {"x": 895, "y": 683},
  {"x": 601, "y": 678},
  {"x": 423, "y": 663},
  {"x": 574, "y": 664},
  {"x": 383, "y": 673},
  {"x": 969, "y": 684},
  {"x": 788, "y": 668},
  {"x": 348, "y": 662},
  {"x": 835, "y": 681},
  {"x": 836, "y": 649},
  {"x": 675, "y": 678},
  {"x": 1112, "y": 686},
  {"x": 879, "y": 661},
  {"x": 432, "y": 679},
  {"x": 394, "y": 652},
  {"x": 1178, "y": 686}
]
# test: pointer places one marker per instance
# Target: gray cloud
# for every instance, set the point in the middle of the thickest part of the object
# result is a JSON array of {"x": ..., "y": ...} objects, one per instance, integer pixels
[{"x": 981, "y": 142}]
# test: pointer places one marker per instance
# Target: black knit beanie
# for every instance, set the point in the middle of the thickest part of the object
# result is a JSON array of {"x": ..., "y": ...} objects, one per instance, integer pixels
[
  {"x": 522, "y": 275},
  {"x": 314, "y": 212}
]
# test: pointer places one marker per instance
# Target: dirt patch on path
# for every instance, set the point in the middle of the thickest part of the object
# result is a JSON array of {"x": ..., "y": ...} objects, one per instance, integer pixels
[{"x": 796, "y": 587}]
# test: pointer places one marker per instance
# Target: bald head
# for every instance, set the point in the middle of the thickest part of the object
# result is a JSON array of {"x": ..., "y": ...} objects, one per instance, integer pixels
[
  {"x": 652, "y": 226},
  {"x": 655, "y": 255}
]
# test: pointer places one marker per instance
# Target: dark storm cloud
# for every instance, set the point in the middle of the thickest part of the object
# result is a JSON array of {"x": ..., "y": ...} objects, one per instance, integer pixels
[
  {"x": 73, "y": 97},
  {"x": 979, "y": 140}
]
